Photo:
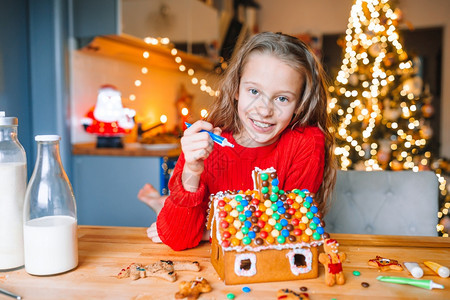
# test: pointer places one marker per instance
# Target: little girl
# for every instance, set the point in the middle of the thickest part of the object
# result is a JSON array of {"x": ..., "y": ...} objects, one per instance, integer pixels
[{"x": 272, "y": 107}]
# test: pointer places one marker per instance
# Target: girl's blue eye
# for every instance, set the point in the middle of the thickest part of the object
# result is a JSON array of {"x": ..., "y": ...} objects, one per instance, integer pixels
[
  {"x": 283, "y": 99},
  {"x": 253, "y": 91}
]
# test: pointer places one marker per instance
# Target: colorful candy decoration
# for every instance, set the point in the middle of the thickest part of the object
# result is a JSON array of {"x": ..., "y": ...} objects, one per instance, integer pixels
[{"x": 269, "y": 215}]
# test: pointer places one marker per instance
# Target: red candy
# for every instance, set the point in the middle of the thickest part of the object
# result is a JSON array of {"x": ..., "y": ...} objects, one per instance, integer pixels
[
  {"x": 297, "y": 232},
  {"x": 263, "y": 234},
  {"x": 261, "y": 223},
  {"x": 291, "y": 211},
  {"x": 295, "y": 222},
  {"x": 258, "y": 213},
  {"x": 221, "y": 203},
  {"x": 290, "y": 201},
  {"x": 226, "y": 243},
  {"x": 223, "y": 214},
  {"x": 224, "y": 224},
  {"x": 226, "y": 234},
  {"x": 255, "y": 201}
]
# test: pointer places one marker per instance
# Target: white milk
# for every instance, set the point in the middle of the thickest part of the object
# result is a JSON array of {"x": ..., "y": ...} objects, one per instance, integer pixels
[
  {"x": 13, "y": 183},
  {"x": 51, "y": 245}
]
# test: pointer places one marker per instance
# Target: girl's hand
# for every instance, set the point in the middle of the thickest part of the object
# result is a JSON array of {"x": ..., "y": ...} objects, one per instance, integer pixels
[
  {"x": 196, "y": 146},
  {"x": 152, "y": 234},
  {"x": 150, "y": 196}
]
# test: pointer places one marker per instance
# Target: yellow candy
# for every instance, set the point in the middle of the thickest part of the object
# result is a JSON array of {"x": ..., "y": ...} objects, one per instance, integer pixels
[
  {"x": 237, "y": 224},
  {"x": 235, "y": 242},
  {"x": 233, "y": 203},
  {"x": 298, "y": 199},
  {"x": 298, "y": 215},
  {"x": 269, "y": 211},
  {"x": 264, "y": 217},
  {"x": 305, "y": 238},
  {"x": 270, "y": 239},
  {"x": 295, "y": 205},
  {"x": 272, "y": 221},
  {"x": 305, "y": 220},
  {"x": 275, "y": 233},
  {"x": 262, "y": 207},
  {"x": 234, "y": 213},
  {"x": 302, "y": 226},
  {"x": 239, "y": 235},
  {"x": 303, "y": 210},
  {"x": 227, "y": 207},
  {"x": 226, "y": 199},
  {"x": 267, "y": 203},
  {"x": 292, "y": 196},
  {"x": 232, "y": 230},
  {"x": 308, "y": 231}
]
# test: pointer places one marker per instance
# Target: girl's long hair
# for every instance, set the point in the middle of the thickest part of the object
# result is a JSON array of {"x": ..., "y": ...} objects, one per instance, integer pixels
[{"x": 311, "y": 108}]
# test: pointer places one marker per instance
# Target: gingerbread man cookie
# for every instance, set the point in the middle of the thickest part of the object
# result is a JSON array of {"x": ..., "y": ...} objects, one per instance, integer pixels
[
  {"x": 287, "y": 294},
  {"x": 164, "y": 269},
  {"x": 332, "y": 261},
  {"x": 385, "y": 264},
  {"x": 192, "y": 289}
]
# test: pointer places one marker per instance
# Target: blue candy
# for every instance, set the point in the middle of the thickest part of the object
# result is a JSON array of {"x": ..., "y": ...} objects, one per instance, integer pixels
[
  {"x": 246, "y": 289},
  {"x": 281, "y": 210},
  {"x": 251, "y": 234},
  {"x": 316, "y": 220},
  {"x": 320, "y": 230},
  {"x": 248, "y": 224},
  {"x": 244, "y": 203},
  {"x": 280, "y": 203},
  {"x": 285, "y": 232},
  {"x": 308, "y": 198},
  {"x": 248, "y": 213},
  {"x": 284, "y": 222},
  {"x": 275, "y": 181},
  {"x": 314, "y": 209}
]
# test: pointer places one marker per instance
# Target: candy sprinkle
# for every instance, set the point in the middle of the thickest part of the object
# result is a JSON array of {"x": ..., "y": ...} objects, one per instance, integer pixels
[
  {"x": 356, "y": 273},
  {"x": 246, "y": 289},
  {"x": 230, "y": 296}
]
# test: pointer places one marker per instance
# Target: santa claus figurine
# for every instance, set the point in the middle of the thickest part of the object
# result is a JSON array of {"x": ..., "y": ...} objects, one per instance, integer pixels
[{"x": 108, "y": 119}]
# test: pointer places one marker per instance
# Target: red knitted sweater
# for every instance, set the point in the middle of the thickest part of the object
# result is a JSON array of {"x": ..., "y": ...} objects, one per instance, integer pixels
[{"x": 298, "y": 156}]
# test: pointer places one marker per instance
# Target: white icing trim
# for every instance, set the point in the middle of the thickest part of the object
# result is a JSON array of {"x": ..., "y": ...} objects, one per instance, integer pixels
[
  {"x": 308, "y": 259},
  {"x": 237, "y": 264}
]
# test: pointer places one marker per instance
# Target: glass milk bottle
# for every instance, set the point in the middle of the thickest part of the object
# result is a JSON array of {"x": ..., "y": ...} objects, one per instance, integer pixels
[
  {"x": 50, "y": 217},
  {"x": 13, "y": 183}
]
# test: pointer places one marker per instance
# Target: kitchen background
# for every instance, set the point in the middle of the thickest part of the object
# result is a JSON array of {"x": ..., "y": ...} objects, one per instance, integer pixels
[{"x": 56, "y": 54}]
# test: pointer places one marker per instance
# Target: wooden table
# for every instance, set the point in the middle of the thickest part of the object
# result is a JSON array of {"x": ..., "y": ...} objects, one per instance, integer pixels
[{"x": 104, "y": 251}]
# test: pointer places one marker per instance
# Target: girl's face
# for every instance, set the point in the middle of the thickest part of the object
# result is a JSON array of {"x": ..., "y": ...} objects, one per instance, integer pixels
[{"x": 268, "y": 92}]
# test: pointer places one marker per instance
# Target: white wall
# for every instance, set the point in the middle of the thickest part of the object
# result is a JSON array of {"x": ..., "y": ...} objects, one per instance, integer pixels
[{"x": 330, "y": 17}]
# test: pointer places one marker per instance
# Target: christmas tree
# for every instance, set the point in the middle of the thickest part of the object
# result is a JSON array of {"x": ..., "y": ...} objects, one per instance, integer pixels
[{"x": 379, "y": 105}]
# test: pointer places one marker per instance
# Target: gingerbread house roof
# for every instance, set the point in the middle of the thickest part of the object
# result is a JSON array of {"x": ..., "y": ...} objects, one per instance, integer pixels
[{"x": 266, "y": 217}]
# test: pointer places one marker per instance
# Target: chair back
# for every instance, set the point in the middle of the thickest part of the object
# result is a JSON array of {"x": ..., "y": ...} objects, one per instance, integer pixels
[{"x": 384, "y": 202}]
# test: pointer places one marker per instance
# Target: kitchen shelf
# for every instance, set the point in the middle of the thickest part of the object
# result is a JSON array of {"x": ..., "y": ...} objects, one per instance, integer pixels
[{"x": 129, "y": 48}]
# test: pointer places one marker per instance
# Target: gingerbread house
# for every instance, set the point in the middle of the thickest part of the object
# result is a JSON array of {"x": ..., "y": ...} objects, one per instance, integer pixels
[{"x": 265, "y": 234}]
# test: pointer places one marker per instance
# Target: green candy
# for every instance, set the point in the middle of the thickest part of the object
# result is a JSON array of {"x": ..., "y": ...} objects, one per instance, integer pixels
[
  {"x": 356, "y": 273},
  {"x": 273, "y": 197},
  {"x": 281, "y": 192},
  {"x": 242, "y": 218},
  {"x": 244, "y": 230},
  {"x": 246, "y": 240},
  {"x": 238, "y": 198},
  {"x": 274, "y": 207},
  {"x": 309, "y": 215},
  {"x": 264, "y": 176},
  {"x": 301, "y": 194},
  {"x": 265, "y": 190},
  {"x": 276, "y": 216},
  {"x": 275, "y": 189},
  {"x": 306, "y": 204},
  {"x": 316, "y": 236},
  {"x": 297, "y": 191},
  {"x": 278, "y": 226},
  {"x": 239, "y": 208},
  {"x": 281, "y": 239},
  {"x": 230, "y": 296},
  {"x": 313, "y": 226}
]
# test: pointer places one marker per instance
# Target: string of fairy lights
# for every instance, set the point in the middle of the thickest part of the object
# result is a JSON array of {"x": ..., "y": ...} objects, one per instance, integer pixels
[{"x": 366, "y": 101}]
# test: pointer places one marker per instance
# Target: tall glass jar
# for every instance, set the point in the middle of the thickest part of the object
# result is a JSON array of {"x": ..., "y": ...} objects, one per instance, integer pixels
[
  {"x": 13, "y": 183},
  {"x": 50, "y": 216}
]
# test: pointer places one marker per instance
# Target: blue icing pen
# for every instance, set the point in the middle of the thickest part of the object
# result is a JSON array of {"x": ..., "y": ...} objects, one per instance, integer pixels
[{"x": 216, "y": 138}]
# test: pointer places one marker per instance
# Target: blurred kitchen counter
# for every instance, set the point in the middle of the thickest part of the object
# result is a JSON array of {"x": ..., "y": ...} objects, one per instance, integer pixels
[{"x": 130, "y": 149}]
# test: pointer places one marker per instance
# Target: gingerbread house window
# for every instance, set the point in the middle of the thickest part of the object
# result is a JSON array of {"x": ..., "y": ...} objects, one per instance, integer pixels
[
  {"x": 245, "y": 264},
  {"x": 300, "y": 260}
]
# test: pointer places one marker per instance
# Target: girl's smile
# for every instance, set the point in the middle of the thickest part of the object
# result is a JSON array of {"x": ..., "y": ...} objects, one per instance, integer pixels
[{"x": 268, "y": 93}]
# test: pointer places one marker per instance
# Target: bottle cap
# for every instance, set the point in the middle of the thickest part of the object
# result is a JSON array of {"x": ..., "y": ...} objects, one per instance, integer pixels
[
  {"x": 47, "y": 138},
  {"x": 444, "y": 272},
  {"x": 7, "y": 121}
]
